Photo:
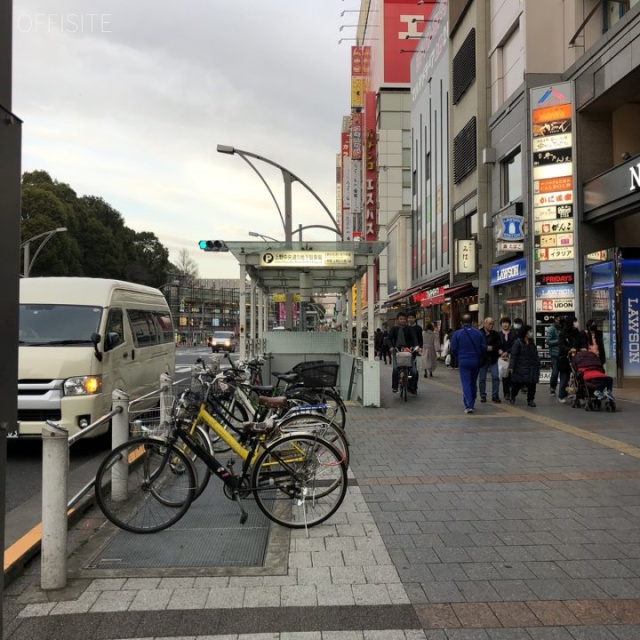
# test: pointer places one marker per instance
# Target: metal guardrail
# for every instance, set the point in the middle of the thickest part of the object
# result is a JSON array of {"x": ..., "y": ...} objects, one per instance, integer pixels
[{"x": 55, "y": 468}]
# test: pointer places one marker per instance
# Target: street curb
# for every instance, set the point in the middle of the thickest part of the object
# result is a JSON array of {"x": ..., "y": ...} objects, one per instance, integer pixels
[{"x": 16, "y": 568}]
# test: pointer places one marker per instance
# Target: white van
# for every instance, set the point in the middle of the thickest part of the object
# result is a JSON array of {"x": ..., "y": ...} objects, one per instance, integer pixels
[{"x": 81, "y": 338}]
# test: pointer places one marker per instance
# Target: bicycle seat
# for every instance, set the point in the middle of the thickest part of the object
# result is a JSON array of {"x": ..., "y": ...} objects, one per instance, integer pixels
[
  {"x": 277, "y": 402},
  {"x": 289, "y": 378},
  {"x": 259, "y": 428},
  {"x": 263, "y": 389}
]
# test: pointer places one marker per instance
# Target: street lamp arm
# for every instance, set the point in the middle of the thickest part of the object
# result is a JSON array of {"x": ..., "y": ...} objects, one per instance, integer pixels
[
  {"x": 242, "y": 155},
  {"x": 299, "y": 230},
  {"x": 28, "y": 259},
  {"x": 41, "y": 235},
  {"x": 221, "y": 148},
  {"x": 322, "y": 204}
]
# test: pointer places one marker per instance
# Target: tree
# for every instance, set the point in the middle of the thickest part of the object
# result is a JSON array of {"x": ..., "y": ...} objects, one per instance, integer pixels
[
  {"x": 186, "y": 266},
  {"x": 97, "y": 243}
]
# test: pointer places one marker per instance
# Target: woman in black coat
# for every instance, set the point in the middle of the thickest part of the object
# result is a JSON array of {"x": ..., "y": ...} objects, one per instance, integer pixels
[
  {"x": 571, "y": 341},
  {"x": 524, "y": 365}
]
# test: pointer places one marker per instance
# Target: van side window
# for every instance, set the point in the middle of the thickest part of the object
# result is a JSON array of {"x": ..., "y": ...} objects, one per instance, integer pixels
[
  {"x": 165, "y": 325},
  {"x": 114, "y": 324},
  {"x": 143, "y": 328}
]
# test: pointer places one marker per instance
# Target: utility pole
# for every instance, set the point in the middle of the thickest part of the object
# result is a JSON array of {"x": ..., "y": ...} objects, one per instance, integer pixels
[{"x": 10, "y": 154}]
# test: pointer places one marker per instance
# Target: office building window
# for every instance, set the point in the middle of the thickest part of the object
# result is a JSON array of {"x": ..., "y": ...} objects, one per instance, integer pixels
[
  {"x": 464, "y": 67},
  {"x": 512, "y": 178}
]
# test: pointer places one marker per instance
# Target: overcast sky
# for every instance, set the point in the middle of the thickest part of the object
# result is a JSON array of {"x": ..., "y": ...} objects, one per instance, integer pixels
[{"x": 127, "y": 100}]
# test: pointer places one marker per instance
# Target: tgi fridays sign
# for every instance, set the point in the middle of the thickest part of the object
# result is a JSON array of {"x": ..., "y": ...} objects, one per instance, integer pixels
[
  {"x": 555, "y": 296},
  {"x": 552, "y": 171}
]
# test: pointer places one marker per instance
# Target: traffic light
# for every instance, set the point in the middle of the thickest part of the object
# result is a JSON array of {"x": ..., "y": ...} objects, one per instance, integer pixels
[{"x": 213, "y": 245}]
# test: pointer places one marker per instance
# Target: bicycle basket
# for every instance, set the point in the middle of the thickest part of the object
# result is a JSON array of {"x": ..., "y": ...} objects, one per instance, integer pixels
[
  {"x": 323, "y": 374},
  {"x": 150, "y": 423},
  {"x": 403, "y": 359},
  {"x": 310, "y": 364}
]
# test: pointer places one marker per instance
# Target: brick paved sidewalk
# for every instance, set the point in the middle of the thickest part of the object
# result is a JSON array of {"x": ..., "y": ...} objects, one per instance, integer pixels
[{"x": 511, "y": 523}]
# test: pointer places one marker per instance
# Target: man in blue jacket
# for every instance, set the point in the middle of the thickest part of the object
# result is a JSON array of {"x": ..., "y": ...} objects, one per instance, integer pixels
[{"x": 468, "y": 344}]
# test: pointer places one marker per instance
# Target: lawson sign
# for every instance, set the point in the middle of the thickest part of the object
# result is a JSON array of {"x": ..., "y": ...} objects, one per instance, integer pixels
[{"x": 516, "y": 270}]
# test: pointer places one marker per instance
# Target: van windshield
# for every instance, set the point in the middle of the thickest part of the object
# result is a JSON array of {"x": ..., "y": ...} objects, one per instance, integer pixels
[{"x": 57, "y": 324}]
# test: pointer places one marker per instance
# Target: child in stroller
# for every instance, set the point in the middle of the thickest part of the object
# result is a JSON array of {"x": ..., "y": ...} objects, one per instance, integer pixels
[{"x": 593, "y": 385}]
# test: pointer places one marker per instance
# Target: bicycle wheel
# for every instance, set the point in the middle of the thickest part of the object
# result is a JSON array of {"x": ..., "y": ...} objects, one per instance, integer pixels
[
  {"x": 403, "y": 383},
  {"x": 318, "y": 425},
  {"x": 291, "y": 479},
  {"x": 145, "y": 485},
  {"x": 203, "y": 473}
]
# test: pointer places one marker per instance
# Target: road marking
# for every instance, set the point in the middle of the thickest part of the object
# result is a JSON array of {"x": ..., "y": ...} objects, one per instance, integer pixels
[{"x": 23, "y": 545}]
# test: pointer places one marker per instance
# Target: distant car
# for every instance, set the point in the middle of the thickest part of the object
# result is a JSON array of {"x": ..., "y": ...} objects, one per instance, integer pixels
[{"x": 224, "y": 341}]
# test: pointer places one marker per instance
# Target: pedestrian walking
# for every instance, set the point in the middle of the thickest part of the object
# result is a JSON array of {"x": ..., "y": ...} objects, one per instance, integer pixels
[
  {"x": 386, "y": 347},
  {"x": 430, "y": 348},
  {"x": 377, "y": 343},
  {"x": 489, "y": 362},
  {"x": 416, "y": 330},
  {"x": 467, "y": 345},
  {"x": 507, "y": 337},
  {"x": 552, "y": 337},
  {"x": 449, "y": 359},
  {"x": 524, "y": 365}
]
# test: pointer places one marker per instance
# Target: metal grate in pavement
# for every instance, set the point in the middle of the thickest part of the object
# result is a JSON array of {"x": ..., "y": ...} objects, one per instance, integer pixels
[{"x": 208, "y": 535}]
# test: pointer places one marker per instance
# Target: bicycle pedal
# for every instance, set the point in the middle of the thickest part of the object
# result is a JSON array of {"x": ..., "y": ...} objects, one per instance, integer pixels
[{"x": 244, "y": 517}]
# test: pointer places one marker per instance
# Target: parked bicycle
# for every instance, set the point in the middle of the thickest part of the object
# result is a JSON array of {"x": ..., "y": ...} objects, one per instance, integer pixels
[{"x": 148, "y": 483}]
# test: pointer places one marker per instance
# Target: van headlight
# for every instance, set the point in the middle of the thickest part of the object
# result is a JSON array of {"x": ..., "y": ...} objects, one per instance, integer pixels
[{"x": 82, "y": 386}]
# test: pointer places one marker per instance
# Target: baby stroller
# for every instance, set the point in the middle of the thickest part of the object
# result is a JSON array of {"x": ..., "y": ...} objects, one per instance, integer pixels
[{"x": 593, "y": 386}]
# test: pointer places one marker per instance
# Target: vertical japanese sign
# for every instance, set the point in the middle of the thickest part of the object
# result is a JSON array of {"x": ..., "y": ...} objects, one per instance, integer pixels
[
  {"x": 371, "y": 170},
  {"x": 466, "y": 256},
  {"x": 552, "y": 120},
  {"x": 347, "y": 218},
  {"x": 356, "y": 164}
]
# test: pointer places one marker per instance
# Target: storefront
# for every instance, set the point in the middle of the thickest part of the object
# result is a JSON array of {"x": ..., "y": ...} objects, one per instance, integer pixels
[
  {"x": 509, "y": 281},
  {"x": 612, "y": 290},
  {"x": 612, "y": 275}
]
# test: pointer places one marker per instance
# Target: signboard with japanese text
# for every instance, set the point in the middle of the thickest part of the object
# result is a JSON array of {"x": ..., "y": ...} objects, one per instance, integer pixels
[
  {"x": 370, "y": 186},
  {"x": 466, "y": 256},
  {"x": 329, "y": 259},
  {"x": 552, "y": 121}
]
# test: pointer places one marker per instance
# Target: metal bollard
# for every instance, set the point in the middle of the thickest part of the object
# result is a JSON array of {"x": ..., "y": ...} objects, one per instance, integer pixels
[
  {"x": 55, "y": 480},
  {"x": 119, "y": 435},
  {"x": 166, "y": 398}
]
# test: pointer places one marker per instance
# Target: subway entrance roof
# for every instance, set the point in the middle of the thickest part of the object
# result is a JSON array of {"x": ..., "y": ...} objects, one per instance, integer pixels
[{"x": 330, "y": 267}]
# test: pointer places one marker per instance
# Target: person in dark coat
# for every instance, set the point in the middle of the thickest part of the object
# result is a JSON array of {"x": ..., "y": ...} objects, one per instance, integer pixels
[
  {"x": 594, "y": 341},
  {"x": 401, "y": 336},
  {"x": 524, "y": 365},
  {"x": 377, "y": 343},
  {"x": 508, "y": 336},
  {"x": 467, "y": 345},
  {"x": 571, "y": 341},
  {"x": 489, "y": 362}
]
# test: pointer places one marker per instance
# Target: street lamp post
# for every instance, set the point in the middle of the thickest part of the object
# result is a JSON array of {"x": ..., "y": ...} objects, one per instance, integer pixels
[
  {"x": 28, "y": 260},
  {"x": 289, "y": 178}
]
